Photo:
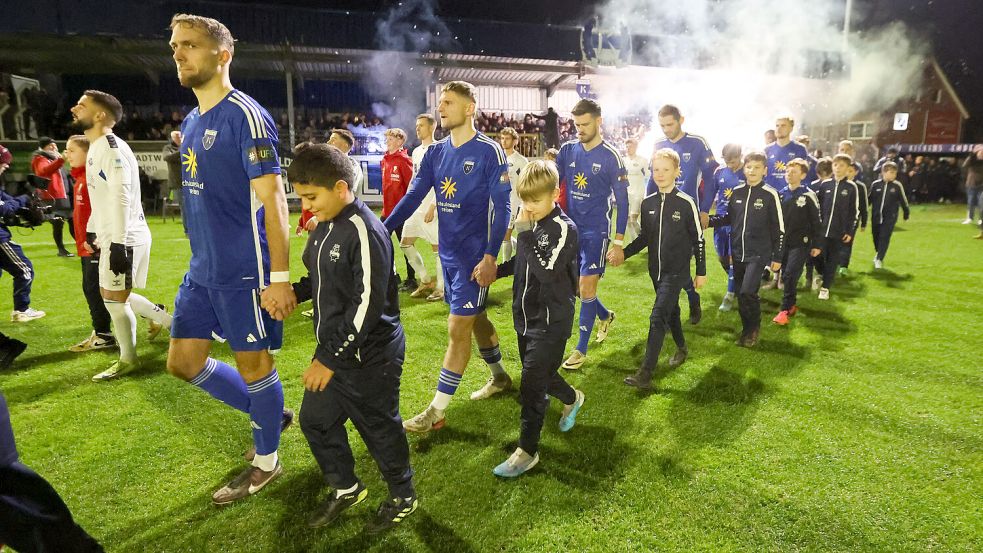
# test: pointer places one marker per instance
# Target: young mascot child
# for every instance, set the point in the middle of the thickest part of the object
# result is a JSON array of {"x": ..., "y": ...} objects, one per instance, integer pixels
[
  {"x": 355, "y": 372},
  {"x": 543, "y": 300},
  {"x": 757, "y": 240},
  {"x": 803, "y": 233},
  {"x": 840, "y": 213},
  {"x": 886, "y": 196},
  {"x": 672, "y": 232}
]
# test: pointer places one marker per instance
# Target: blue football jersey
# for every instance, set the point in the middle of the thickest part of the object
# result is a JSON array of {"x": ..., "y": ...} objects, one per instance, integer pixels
[
  {"x": 696, "y": 162},
  {"x": 725, "y": 180},
  {"x": 221, "y": 151},
  {"x": 472, "y": 187},
  {"x": 592, "y": 178},
  {"x": 778, "y": 158}
]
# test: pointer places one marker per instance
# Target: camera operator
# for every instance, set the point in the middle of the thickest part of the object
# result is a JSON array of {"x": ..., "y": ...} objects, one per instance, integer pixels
[
  {"x": 6, "y": 158},
  {"x": 12, "y": 258},
  {"x": 48, "y": 163}
]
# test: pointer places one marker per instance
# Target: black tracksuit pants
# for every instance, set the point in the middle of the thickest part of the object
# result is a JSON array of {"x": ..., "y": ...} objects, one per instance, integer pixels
[
  {"x": 33, "y": 517},
  {"x": 90, "y": 288},
  {"x": 369, "y": 397},
  {"x": 541, "y": 358},
  {"x": 881, "y": 232},
  {"x": 664, "y": 318},
  {"x": 795, "y": 261},
  {"x": 747, "y": 283},
  {"x": 828, "y": 261}
]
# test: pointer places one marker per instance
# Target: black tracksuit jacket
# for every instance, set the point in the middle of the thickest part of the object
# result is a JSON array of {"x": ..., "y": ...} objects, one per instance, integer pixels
[
  {"x": 546, "y": 276},
  {"x": 672, "y": 233},
  {"x": 350, "y": 279},
  {"x": 757, "y": 226},
  {"x": 885, "y": 199},
  {"x": 839, "y": 208},
  {"x": 802, "y": 225}
]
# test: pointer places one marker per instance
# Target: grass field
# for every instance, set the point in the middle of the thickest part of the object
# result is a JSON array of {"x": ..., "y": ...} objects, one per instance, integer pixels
[{"x": 857, "y": 428}]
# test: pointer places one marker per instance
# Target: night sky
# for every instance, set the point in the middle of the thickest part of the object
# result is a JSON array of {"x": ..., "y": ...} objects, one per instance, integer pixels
[{"x": 954, "y": 28}]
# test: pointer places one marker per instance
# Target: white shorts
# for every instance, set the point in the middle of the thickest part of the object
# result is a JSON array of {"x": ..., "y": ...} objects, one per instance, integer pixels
[
  {"x": 635, "y": 202},
  {"x": 416, "y": 228},
  {"x": 515, "y": 204},
  {"x": 136, "y": 278}
]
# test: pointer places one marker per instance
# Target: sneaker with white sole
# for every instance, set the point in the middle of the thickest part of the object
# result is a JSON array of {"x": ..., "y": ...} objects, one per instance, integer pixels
[
  {"x": 728, "y": 302},
  {"x": 878, "y": 264},
  {"x": 575, "y": 361},
  {"x": 604, "y": 327},
  {"x": 116, "y": 370},
  {"x": 824, "y": 293},
  {"x": 424, "y": 290},
  {"x": 568, "y": 417},
  {"x": 516, "y": 465},
  {"x": 250, "y": 481},
  {"x": 492, "y": 387},
  {"x": 430, "y": 419},
  {"x": 967, "y": 221},
  {"x": 28, "y": 314},
  {"x": 437, "y": 295},
  {"x": 94, "y": 342}
]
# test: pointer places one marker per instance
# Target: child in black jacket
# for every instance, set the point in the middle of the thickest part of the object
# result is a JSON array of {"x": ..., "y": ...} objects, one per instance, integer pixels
[
  {"x": 672, "y": 232},
  {"x": 803, "y": 234},
  {"x": 886, "y": 196},
  {"x": 543, "y": 297}
]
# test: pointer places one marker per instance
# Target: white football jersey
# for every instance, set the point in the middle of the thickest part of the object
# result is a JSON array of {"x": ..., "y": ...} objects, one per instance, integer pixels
[
  {"x": 113, "y": 178},
  {"x": 431, "y": 197},
  {"x": 638, "y": 171}
]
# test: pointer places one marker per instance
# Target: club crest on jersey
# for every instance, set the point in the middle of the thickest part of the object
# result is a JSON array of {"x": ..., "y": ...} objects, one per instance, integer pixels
[
  {"x": 208, "y": 139},
  {"x": 335, "y": 253},
  {"x": 676, "y": 216},
  {"x": 686, "y": 157},
  {"x": 759, "y": 204},
  {"x": 843, "y": 192},
  {"x": 544, "y": 241},
  {"x": 595, "y": 168},
  {"x": 468, "y": 167},
  {"x": 800, "y": 201}
]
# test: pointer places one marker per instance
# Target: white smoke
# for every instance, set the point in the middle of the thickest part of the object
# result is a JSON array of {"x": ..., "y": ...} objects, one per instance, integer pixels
[
  {"x": 393, "y": 75},
  {"x": 733, "y": 66}
]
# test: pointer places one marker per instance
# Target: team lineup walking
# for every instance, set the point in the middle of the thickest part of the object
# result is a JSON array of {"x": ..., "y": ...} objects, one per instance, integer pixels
[{"x": 774, "y": 216}]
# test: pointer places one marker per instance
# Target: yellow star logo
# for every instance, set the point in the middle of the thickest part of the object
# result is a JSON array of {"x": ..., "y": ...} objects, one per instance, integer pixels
[
  {"x": 190, "y": 162},
  {"x": 780, "y": 165},
  {"x": 728, "y": 193},
  {"x": 580, "y": 180},
  {"x": 448, "y": 187}
]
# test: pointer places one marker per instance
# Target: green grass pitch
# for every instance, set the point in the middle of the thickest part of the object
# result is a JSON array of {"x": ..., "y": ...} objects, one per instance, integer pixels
[{"x": 856, "y": 428}]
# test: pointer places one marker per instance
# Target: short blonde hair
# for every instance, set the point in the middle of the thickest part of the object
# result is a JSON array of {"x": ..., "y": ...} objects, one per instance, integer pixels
[
  {"x": 509, "y": 131},
  {"x": 667, "y": 153},
  {"x": 462, "y": 88},
  {"x": 397, "y": 132},
  {"x": 211, "y": 27},
  {"x": 802, "y": 164},
  {"x": 537, "y": 179}
]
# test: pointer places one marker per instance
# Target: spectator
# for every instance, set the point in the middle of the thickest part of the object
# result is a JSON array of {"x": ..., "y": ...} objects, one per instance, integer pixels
[
  {"x": 974, "y": 185},
  {"x": 397, "y": 170},
  {"x": 172, "y": 156},
  {"x": 48, "y": 163},
  {"x": 551, "y": 129}
]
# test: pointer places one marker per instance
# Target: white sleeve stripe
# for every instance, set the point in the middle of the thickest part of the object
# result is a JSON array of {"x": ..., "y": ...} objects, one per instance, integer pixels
[
  {"x": 502, "y": 160},
  {"x": 696, "y": 214},
  {"x": 812, "y": 196},
  {"x": 363, "y": 242},
  {"x": 617, "y": 156},
  {"x": 261, "y": 127},
  {"x": 778, "y": 206},
  {"x": 249, "y": 116},
  {"x": 562, "y": 241}
]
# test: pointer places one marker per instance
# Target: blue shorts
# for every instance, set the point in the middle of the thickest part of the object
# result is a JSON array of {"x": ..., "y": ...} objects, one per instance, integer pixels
[
  {"x": 461, "y": 292},
  {"x": 721, "y": 241},
  {"x": 593, "y": 255},
  {"x": 225, "y": 315}
]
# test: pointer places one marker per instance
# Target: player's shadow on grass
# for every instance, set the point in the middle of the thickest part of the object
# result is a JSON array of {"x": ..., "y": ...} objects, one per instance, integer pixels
[{"x": 891, "y": 279}]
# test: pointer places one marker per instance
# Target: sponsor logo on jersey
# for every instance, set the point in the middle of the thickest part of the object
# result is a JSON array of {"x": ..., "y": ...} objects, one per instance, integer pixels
[
  {"x": 580, "y": 180},
  {"x": 208, "y": 138},
  {"x": 595, "y": 168},
  {"x": 335, "y": 253},
  {"x": 190, "y": 163},
  {"x": 728, "y": 193},
  {"x": 468, "y": 167},
  {"x": 780, "y": 167},
  {"x": 676, "y": 216},
  {"x": 448, "y": 187},
  {"x": 759, "y": 204}
]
